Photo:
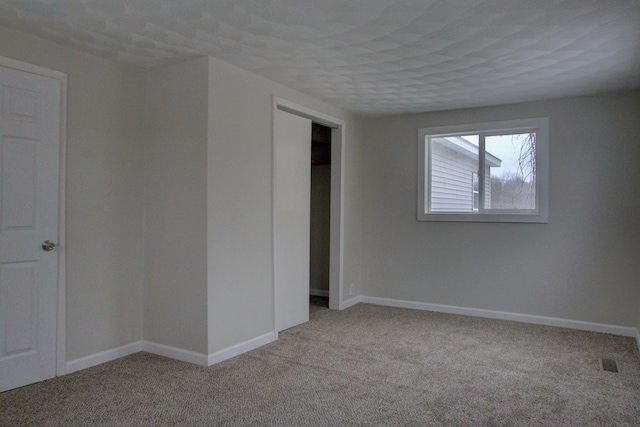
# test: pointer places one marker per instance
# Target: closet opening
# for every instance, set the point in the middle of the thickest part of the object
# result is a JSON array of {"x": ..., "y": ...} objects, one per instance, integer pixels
[{"x": 320, "y": 218}]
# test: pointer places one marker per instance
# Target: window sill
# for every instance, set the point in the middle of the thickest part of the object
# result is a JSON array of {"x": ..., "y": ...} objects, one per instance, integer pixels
[{"x": 474, "y": 217}]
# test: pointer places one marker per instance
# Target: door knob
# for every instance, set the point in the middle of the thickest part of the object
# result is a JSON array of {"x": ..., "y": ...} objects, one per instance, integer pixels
[{"x": 48, "y": 245}]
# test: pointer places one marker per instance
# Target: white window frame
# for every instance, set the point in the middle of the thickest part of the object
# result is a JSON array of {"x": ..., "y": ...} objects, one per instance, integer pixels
[
  {"x": 475, "y": 177},
  {"x": 538, "y": 215}
]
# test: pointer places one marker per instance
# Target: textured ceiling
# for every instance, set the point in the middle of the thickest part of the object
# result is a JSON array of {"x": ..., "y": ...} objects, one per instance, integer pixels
[{"x": 372, "y": 57}]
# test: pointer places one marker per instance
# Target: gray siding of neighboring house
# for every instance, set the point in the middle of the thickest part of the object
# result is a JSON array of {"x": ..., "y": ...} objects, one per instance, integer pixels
[{"x": 452, "y": 178}]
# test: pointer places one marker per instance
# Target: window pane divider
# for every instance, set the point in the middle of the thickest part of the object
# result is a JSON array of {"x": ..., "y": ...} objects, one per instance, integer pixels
[{"x": 481, "y": 177}]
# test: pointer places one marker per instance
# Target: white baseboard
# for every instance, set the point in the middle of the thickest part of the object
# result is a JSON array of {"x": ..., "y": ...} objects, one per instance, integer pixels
[
  {"x": 213, "y": 358},
  {"x": 188, "y": 356},
  {"x": 175, "y": 353},
  {"x": 319, "y": 292},
  {"x": 516, "y": 317},
  {"x": 350, "y": 302},
  {"x": 243, "y": 347},
  {"x": 103, "y": 357}
]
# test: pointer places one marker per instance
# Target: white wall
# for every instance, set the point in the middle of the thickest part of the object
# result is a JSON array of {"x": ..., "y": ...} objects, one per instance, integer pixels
[
  {"x": 582, "y": 265},
  {"x": 175, "y": 303},
  {"x": 240, "y": 204},
  {"x": 104, "y": 207}
]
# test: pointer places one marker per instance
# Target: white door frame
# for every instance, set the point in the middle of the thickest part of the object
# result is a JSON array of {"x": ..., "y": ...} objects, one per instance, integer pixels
[
  {"x": 61, "y": 247},
  {"x": 336, "y": 239}
]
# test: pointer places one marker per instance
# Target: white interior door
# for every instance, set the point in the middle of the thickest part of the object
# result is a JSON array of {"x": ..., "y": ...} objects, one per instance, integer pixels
[
  {"x": 292, "y": 218},
  {"x": 29, "y": 163}
]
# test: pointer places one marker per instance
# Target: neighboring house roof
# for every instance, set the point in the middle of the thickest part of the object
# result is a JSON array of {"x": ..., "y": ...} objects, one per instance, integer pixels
[{"x": 462, "y": 146}]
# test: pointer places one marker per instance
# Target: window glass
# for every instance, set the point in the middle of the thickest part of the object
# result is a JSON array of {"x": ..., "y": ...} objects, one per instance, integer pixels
[
  {"x": 454, "y": 159},
  {"x": 511, "y": 171}
]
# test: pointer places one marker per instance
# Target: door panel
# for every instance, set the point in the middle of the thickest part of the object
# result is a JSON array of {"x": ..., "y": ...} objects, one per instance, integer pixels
[
  {"x": 19, "y": 163},
  {"x": 18, "y": 304},
  {"x": 292, "y": 218},
  {"x": 29, "y": 159}
]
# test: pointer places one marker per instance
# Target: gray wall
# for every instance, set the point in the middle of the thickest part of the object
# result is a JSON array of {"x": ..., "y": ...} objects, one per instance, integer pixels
[
  {"x": 582, "y": 265},
  {"x": 104, "y": 209},
  {"x": 175, "y": 290}
]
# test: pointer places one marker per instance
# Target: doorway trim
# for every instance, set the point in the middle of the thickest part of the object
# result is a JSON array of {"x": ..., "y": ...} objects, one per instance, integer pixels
[
  {"x": 336, "y": 237},
  {"x": 61, "y": 367}
]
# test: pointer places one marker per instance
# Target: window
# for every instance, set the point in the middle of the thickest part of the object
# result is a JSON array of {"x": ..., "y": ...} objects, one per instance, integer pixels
[{"x": 485, "y": 172}]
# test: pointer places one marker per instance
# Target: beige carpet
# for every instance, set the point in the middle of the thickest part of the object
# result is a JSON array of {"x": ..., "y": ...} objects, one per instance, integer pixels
[{"x": 367, "y": 365}]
